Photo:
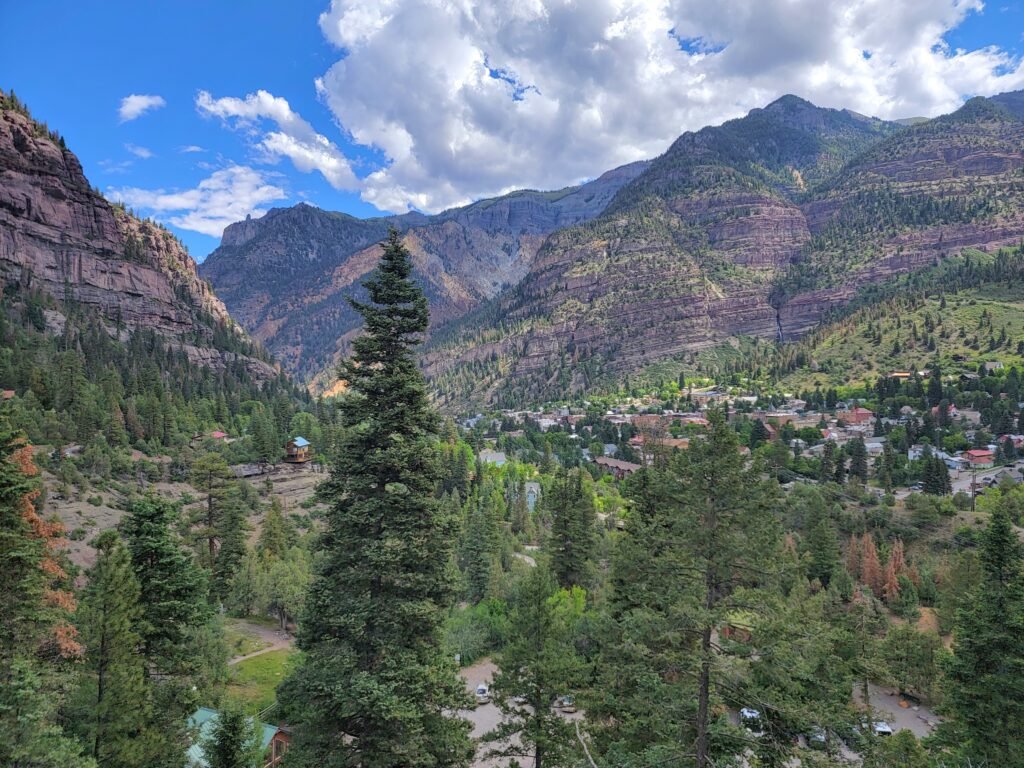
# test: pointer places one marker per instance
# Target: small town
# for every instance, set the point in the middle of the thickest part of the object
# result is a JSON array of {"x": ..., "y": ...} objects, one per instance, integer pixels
[{"x": 517, "y": 384}]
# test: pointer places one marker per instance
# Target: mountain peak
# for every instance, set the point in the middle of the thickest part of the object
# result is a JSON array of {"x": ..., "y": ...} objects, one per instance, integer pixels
[{"x": 789, "y": 102}]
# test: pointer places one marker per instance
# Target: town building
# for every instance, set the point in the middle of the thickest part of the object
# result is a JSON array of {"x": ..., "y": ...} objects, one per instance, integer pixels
[{"x": 298, "y": 451}]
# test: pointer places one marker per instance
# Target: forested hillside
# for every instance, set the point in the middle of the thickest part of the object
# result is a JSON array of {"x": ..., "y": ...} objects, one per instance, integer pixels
[{"x": 754, "y": 228}]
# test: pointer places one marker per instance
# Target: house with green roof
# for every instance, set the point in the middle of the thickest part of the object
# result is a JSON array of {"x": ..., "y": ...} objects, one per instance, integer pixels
[{"x": 274, "y": 740}]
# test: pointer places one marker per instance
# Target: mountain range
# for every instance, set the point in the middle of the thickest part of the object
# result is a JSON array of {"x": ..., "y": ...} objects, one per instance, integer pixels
[
  {"x": 284, "y": 276},
  {"x": 754, "y": 227}
]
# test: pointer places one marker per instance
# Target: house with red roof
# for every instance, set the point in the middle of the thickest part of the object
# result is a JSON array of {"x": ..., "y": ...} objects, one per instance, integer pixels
[{"x": 981, "y": 458}]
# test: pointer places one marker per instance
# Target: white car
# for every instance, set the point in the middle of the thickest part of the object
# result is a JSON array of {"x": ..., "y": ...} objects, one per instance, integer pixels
[
  {"x": 881, "y": 728},
  {"x": 483, "y": 694},
  {"x": 751, "y": 720}
]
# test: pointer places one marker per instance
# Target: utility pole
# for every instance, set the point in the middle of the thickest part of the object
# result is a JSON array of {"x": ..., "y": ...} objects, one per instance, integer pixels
[{"x": 974, "y": 485}]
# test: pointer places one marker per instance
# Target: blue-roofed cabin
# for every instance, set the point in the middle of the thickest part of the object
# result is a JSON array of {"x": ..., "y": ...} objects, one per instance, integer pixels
[
  {"x": 298, "y": 451},
  {"x": 273, "y": 739}
]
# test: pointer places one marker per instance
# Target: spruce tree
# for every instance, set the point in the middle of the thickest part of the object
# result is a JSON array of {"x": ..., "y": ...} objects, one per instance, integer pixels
[
  {"x": 173, "y": 588},
  {"x": 858, "y": 459},
  {"x": 111, "y": 707},
  {"x": 235, "y": 741},
  {"x": 211, "y": 475},
  {"x": 232, "y": 527},
  {"x": 573, "y": 537},
  {"x": 538, "y": 664},
  {"x": 481, "y": 541},
  {"x": 822, "y": 543},
  {"x": 758, "y": 435},
  {"x": 375, "y": 687},
  {"x": 702, "y": 542},
  {"x": 34, "y": 635},
  {"x": 828, "y": 462},
  {"x": 276, "y": 533},
  {"x": 984, "y": 690}
]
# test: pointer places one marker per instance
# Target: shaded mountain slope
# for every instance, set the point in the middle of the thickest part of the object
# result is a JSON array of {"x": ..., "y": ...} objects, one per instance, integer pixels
[
  {"x": 60, "y": 237},
  {"x": 284, "y": 276}
]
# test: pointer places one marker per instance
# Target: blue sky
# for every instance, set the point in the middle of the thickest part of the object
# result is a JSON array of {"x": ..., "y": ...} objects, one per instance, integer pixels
[{"x": 366, "y": 107}]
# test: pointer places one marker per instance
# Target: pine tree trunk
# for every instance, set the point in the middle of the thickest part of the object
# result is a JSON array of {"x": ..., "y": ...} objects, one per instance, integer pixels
[{"x": 703, "y": 701}]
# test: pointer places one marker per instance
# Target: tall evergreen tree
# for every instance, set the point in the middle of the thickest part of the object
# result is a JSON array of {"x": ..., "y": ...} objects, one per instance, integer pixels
[
  {"x": 828, "y": 462},
  {"x": 111, "y": 708},
  {"x": 538, "y": 663},
  {"x": 858, "y": 459},
  {"x": 276, "y": 533},
  {"x": 702, "y": 532},
  {"x": 822, "y": 543},
  {"x": 481, "y": 540},
  {"x": 235, "y": 741},
  {"x": 984, "y": 691},
  {"x": 212, "y": 476},
  {"x": 35, "y": 637},
  {"x": 758, "y": 435},
  {"x": 573, "y": 537},
  {"x": 232, "y": 527},
  {"x": 375, "y": 688},
  {"x": 173, "y": 588}
]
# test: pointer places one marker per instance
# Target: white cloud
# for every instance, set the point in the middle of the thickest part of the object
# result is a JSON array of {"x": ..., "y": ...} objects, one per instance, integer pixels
[
  {"x": 294, "y": 138},
  {"x": 468, "y": 98},
  {"x": 226, "y": 196},
  {"x": 116, "y": 166},
  {"x": 191, "y": 148},
  {"x": 136, "y": 105},
  {"x": 138, "y": 151}
]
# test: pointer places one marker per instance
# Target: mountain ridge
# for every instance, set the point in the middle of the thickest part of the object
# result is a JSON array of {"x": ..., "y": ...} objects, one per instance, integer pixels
[
  {"x": 718, "y": 238},
  {"x": 284, "y": 276},
  {"x": 61, "y": 237}
]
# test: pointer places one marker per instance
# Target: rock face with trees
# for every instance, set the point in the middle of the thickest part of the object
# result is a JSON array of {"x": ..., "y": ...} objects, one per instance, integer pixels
[{"x": 61, "y": 237}]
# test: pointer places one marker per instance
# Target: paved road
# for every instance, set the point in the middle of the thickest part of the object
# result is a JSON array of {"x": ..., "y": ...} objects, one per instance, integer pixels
[
  {"x": 886, "y": 706},
  {"x": 486, "y": 717},
  {"x": 962, "y": 479}
]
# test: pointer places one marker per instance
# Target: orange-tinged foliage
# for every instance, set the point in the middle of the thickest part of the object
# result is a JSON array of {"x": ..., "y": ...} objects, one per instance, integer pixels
[
  {"x": 65, "y": 641},
  {"x": 63, "y": 636}
]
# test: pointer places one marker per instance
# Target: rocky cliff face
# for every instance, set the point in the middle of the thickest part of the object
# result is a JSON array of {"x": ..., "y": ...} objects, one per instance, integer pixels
[
  {"x": 756, "y": 227},
  {"x": 285, "y": 276},
  {"x": 59, "y": 236}
]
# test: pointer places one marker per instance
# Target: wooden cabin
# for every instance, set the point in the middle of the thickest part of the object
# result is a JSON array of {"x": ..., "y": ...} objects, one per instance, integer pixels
[{"x": 298, "y": 451}]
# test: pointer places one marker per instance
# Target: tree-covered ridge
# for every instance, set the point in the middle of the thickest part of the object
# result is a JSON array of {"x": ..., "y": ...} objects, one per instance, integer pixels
[{"x": 88, "y": 379}]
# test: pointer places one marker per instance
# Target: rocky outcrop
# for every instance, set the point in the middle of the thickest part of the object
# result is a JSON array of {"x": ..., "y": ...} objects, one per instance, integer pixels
[
  {"x": 285, "y": 276},
  {"x": 61, "y": 237}
]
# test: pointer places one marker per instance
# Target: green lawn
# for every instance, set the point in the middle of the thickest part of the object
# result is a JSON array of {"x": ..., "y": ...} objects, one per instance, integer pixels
[
  {"x": 241, "y": 639},
  {"x": 254, "y": 681}
]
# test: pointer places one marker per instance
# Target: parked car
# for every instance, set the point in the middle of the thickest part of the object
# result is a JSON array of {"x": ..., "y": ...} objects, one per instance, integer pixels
[
  {"x": 483, "y": 694},
  {"x": 565, "y": 704},
  {"x": 751, "y": 720},
  {"x": 881, "y": 728}
]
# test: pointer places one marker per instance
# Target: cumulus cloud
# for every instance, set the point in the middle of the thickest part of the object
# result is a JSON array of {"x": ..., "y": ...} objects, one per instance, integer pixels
[
  {"x": 136, "y": 105},
  {"x": 294, "y": 138},
  {"x": 468, "y": 98},
  {"x": 226, "y": 196},
  {"x": 138, "y": 151},
  {"x": 191, "y": 148}
]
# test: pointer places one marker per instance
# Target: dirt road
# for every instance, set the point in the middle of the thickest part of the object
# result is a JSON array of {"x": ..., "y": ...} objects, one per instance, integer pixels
[{"x": 276, "y": 638}]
